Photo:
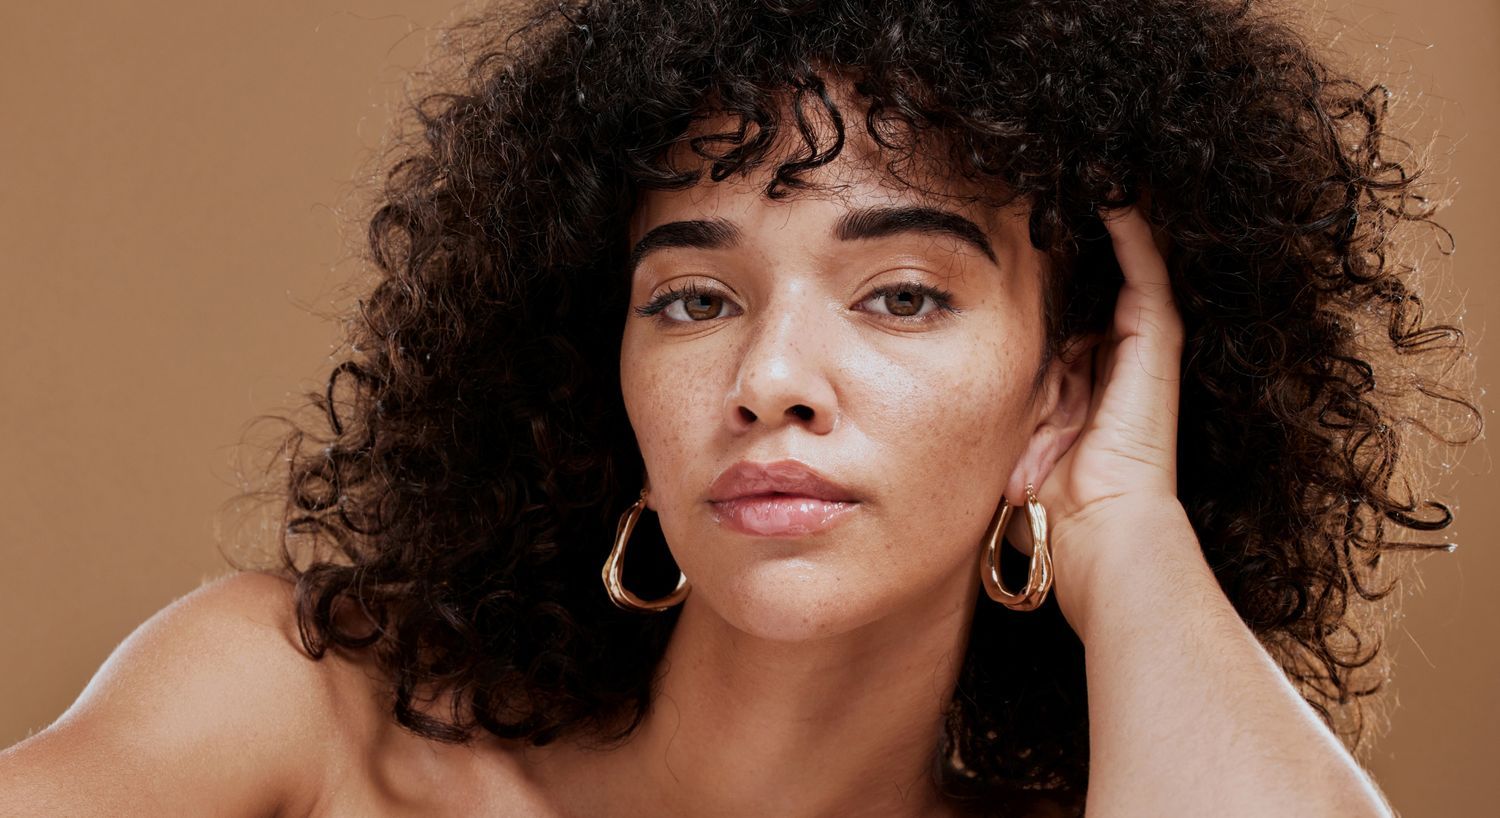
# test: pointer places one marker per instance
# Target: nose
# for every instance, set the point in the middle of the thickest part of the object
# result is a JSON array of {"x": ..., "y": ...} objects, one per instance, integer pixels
[{"x": 783, "y": 376}]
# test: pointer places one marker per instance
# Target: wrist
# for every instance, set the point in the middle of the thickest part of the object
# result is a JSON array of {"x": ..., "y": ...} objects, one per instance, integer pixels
[{"x": 1128, "y": 547}]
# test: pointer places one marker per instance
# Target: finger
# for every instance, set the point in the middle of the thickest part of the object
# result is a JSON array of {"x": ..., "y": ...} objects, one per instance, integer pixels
[
  {"x": 1135, "y": 247},
  {"x": 1145, "y": 305}
]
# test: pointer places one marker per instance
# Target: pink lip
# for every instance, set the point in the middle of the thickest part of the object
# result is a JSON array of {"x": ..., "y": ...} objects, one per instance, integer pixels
[{"x": 780, "y": 499}]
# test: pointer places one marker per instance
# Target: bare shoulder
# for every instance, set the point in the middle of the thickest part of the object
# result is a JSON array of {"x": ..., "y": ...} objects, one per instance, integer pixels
[
  {"x": 210, "y": 706},
  {"x": 230, "y": 650}
]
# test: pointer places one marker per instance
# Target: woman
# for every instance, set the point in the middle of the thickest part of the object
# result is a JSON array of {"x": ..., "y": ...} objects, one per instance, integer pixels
[{"x": 844, "y": 295}]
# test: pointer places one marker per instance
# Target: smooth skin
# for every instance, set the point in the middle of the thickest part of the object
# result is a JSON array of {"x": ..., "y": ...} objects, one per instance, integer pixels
[{"x": 806, "y": 677}]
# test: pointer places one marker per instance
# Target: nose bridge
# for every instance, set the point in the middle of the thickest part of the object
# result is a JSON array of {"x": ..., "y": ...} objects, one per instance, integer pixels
[{"x": 784, "y": 372}]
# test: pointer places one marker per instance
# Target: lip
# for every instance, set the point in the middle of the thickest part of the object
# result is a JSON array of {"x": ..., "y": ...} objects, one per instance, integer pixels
[{"x": 784, "y": 498}]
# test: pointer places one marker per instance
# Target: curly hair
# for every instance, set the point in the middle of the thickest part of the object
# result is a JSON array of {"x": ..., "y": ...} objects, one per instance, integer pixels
[{"x": 477, "y": 453}]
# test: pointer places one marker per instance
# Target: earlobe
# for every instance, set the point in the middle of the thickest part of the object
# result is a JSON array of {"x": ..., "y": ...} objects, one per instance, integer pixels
[{"x": 1067, "y": 396}]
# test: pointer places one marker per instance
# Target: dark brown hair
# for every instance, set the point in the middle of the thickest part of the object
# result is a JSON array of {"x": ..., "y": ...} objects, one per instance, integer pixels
[{"x": 476, "y": 454}]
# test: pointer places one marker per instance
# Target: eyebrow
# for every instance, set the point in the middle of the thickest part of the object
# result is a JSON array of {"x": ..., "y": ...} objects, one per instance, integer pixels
[{"x": 864, "y": 223}]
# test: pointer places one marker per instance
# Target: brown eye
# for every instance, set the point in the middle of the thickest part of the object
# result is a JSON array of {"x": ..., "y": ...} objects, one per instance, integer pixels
[
  {"x": 692, "y": 304},
  {"x": 703, "y": 306},
  {"x": 904, "y": 302},
  {"x": 911, "y": 303}
]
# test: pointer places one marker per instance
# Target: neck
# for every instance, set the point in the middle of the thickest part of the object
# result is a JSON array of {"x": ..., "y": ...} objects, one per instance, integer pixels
[{"x": 842, "y": 725}]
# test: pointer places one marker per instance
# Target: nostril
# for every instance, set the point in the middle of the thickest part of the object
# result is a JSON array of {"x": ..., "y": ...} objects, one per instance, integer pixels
[
  {"x": 748, "y": 415},
  {"x": 803, "y": 412}
]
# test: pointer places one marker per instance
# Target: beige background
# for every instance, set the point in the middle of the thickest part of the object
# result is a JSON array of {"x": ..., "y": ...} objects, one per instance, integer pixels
[{"x": 172, "y": 178}]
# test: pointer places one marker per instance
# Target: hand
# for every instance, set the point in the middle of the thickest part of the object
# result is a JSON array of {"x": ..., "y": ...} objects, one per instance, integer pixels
[{"x": 1120, "y": 474}]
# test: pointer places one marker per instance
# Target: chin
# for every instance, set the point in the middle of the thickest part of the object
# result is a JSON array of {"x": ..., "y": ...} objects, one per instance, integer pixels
[{"x": 794, "y": 599}]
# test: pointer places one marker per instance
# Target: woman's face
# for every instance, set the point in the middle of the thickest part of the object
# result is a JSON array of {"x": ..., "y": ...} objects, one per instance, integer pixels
[{"x": 816, "y": 335}]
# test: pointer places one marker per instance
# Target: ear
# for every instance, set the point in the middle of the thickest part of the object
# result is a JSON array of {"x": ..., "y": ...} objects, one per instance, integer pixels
[
  {"x": 1062, "y": 408},
  {"x": 650, "y": 496}
]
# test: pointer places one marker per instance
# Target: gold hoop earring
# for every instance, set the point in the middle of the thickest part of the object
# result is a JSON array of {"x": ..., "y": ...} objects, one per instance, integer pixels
[
  {"x": 1038, "y": 577},
  {"x": 614, "y": 569}
]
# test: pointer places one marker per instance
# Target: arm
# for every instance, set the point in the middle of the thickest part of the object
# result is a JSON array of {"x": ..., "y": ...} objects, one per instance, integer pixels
[
  {"x": 206, "y": 709},
  {"x": 1188, "y": 714}
]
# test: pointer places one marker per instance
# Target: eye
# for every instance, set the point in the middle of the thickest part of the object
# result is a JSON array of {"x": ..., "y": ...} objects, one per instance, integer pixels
[
  {"x": 699, "y": 307},
  {"x": 691, "y": 303},
  {"x": 911, "y": 302}
]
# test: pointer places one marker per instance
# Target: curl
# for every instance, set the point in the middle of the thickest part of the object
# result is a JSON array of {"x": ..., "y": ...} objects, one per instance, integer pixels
[{"x": 479, "y": 454}]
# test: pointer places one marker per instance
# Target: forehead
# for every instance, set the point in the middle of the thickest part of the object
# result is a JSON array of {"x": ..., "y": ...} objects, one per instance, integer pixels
[
  {"x": 743, "y": 201},
  {"x": 849, "y": 199},
  {"x": 861, "y": 174}
]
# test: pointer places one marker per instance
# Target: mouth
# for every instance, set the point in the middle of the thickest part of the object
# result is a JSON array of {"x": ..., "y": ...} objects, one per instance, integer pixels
[
  {"x": 780, "y": 515},
  {"x": 784, "y": 498}
]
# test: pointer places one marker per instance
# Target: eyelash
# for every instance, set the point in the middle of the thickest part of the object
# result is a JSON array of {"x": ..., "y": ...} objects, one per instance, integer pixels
[{"x": 944, "y": 300}]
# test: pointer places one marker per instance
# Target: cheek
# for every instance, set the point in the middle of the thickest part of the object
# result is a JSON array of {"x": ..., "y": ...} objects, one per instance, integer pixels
[
  {"x": 938, "y": 431},
  {"x": 669, "y": 401},
  {"x": 950, "y": 427}
]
